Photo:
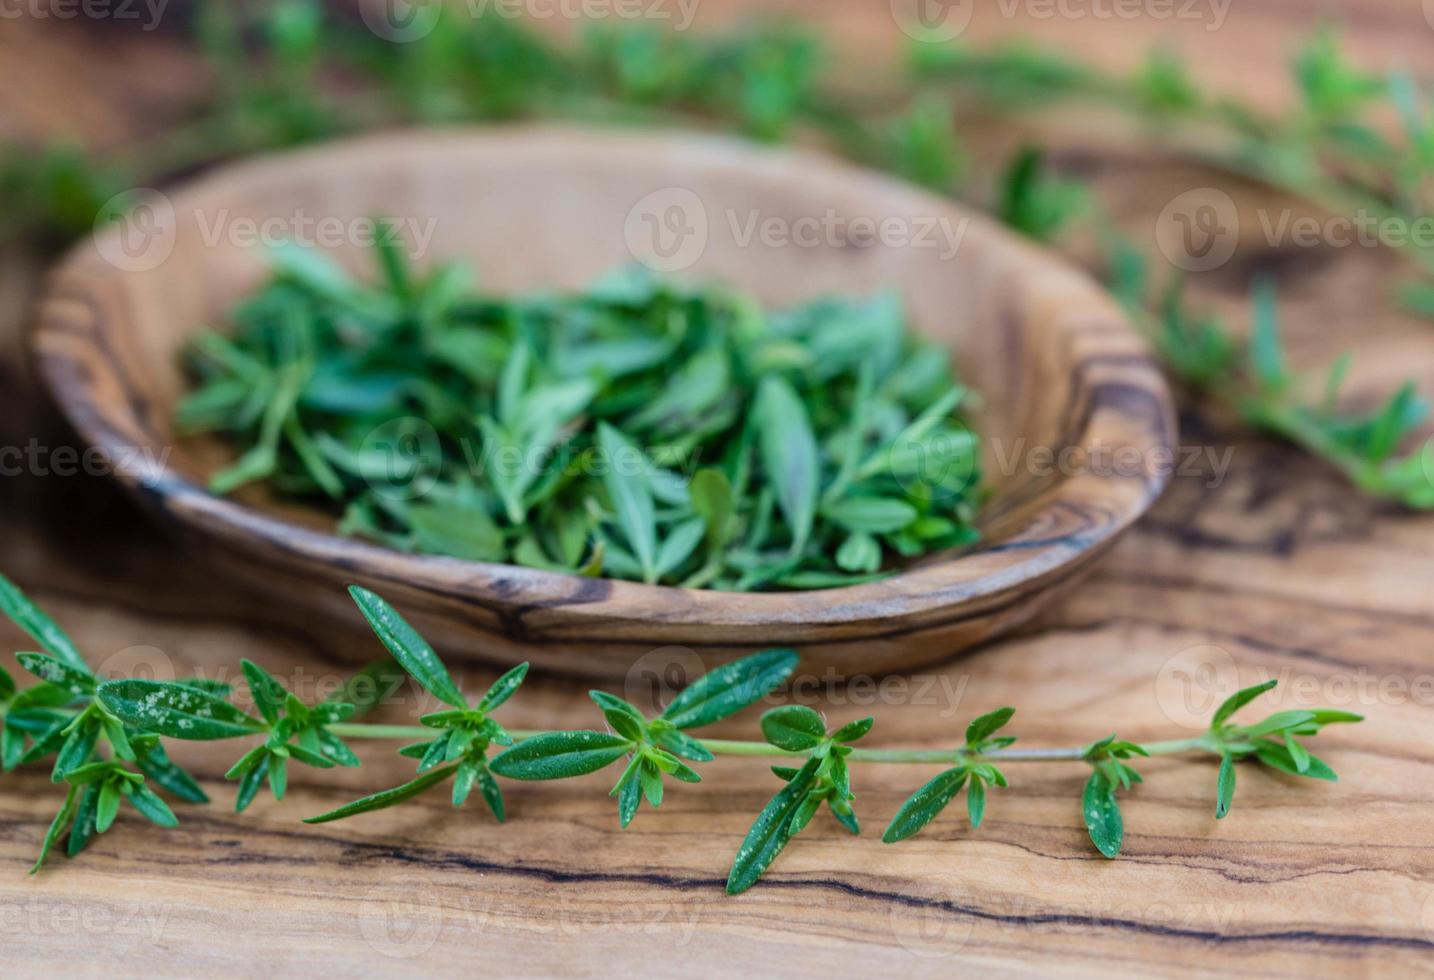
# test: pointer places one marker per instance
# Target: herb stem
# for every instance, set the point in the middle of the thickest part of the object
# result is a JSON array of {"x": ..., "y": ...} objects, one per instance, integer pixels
[{"x": 732, "y": 747}]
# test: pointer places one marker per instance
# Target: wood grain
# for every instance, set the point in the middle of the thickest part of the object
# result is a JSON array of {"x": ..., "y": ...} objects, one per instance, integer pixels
[{"x": 1279, "y": 565}]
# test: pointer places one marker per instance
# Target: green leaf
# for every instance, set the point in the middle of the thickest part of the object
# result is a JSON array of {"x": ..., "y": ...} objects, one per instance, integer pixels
[
  {"x": 151, "y": 807},
  {"x": 923, "y": 805},
  {"x": 712, "y": 501},
  {"x": 771, "y": 831},
  {"x": 76, "y": 750},
  {"x": 1102, "y": 815},
  {"x": 853, "y": 730},
  {"x": 872, "y": 515},
  {"x": 1237, "y": 701},
  {"x": 57, "y": 827},
  {"x": 1278, "y": 722},
  {"x": 558, "y": 755},
  {"x": 684, "y": 745},
  {"x": 107, "y": 807},
  {"x": 987, "y": 725},
  {"x": 626, "y": 720},
  {"x": 58, "y": 673},
  {"x": 1225, "y": 786},
  {"x": 155, "y": 764},
  {"x": 175, "y": 710},
  {"x": 503, "y": 688},
  {"x": 629, "y": 795},
  {"x": 30, "y": 618},
  {"x": 387, "y": 798},
  {"x": 730, "y": 688},
  {"x": 83, "y": 830},
  {"x": 409, "y": 648},
  {"x": 789, "y": 456},
  {"x": 249, "y": 782},
  {"x": 976, "y": 801},
  {"x": 631, "y": 496},
  {"x": 1278, "y": 756},
  {"x": 1267, "y": 358},
  {"x": 267, "y": 692},
  {"x": 793, "y": 727},
  {"x": 492, "y": 795}
]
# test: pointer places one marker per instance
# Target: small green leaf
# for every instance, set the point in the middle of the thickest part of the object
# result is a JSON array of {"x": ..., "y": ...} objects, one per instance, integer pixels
[
  {"x": 923, "y": 805},
  {"x": 631, "y": 496},
  {"x": 793, "y": 727},
  {"x": 1237, "y": 701},
  {"x": 771, "y": 831},
  {"x": 730, "y": 688},
  {"x": 1278, "y": 722},
  {"x": 61, "y": 821},
  {"x": 987, "y": 725},
  {"x": 409, "y": 648},
  {"x": 1102, "y": 815},
  {"x": 871, "y": 515},
  {"x": 853, "y": 730},
  {"x": 503, "y": 688},
  {"x": 976, "y": 801},
  {"x": 30, "y": 618},
  {"x": 789, "y": 456},
  {"x": 151, "y": 806},
  {"x": 387, "y": 798},
  {"x": 1225, "y": 786},
  {"x": 175, "y": 710},
  {"x": 626, "y": 720},
  {"x": 558, "y": 755},
  {"x": 684, "y": 745},
  {"x": 55, "y": 671},
  {"x": 267, "y": 692},
  {"x": 107, "y": 807}
]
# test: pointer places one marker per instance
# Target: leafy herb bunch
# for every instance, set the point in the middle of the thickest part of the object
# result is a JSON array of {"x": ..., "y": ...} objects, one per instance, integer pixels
[
  {"x": 106, "y": 738},
  {"x": 640, "y": 430}
]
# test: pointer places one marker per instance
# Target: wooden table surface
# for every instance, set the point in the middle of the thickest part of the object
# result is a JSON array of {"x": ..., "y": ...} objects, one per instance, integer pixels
[{"x": 1276, "y": 570}]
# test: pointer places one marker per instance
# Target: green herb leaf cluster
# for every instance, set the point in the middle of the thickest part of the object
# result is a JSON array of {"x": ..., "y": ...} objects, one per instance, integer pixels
[{"x": 640, "y": 430}]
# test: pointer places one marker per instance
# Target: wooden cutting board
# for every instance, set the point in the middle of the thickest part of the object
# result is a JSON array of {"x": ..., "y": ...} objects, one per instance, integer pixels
[{"x": 1272, "y": 569}]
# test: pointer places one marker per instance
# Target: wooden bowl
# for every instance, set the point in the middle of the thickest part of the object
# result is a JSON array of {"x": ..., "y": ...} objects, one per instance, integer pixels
[{"x": 1061, "y": 372}]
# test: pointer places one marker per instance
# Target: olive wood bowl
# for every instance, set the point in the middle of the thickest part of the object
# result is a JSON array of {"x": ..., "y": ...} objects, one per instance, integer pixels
[{"x": 1076, "y": 421}]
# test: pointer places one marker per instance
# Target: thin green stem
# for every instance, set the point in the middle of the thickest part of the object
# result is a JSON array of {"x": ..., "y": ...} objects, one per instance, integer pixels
[{"x": 731, "y": 747}]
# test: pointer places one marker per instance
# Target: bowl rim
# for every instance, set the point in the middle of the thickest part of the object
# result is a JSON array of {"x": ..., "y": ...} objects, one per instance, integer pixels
[{"x": 70, "y": 313}]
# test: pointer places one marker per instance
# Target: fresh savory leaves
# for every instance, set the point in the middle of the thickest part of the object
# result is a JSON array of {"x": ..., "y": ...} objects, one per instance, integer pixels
[{"x": 640, "y": 430}]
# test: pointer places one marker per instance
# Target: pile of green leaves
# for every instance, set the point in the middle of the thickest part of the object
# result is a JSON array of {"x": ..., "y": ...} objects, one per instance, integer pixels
[
  {"x": 641, "y": 430},
  {"x": 105, "y": 737}
]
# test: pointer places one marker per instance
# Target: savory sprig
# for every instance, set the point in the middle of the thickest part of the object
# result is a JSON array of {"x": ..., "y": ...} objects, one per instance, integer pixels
[
  {"x": 123, "y": 722},
  {"x": 640, "y": 430}
]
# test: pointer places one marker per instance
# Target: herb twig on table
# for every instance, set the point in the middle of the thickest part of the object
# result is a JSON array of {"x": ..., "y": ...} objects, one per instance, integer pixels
[{"x": 106, "y": 741}]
